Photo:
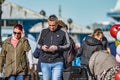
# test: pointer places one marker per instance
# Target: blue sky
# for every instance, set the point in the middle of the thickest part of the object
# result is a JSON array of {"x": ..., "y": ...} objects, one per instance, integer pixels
[{"x": 83, "y": 12}]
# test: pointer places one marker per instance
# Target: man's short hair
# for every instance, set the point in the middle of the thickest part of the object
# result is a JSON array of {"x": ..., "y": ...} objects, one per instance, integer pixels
[{"x": 53, "y": 18}]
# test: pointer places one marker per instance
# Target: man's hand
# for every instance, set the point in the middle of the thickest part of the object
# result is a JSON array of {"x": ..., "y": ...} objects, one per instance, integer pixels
[
  {"x": 31, "y": 68},
  {"x": 45, "y": 48},
  {"x": 52, "y": 48}
]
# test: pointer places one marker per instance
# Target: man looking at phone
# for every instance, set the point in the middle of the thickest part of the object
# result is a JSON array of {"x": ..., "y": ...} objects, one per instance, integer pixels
[{"x": 53, "y": 42}]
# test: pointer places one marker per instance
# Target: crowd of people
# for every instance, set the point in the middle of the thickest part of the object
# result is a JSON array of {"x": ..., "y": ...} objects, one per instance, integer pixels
[{"x": 56, "y": 50}]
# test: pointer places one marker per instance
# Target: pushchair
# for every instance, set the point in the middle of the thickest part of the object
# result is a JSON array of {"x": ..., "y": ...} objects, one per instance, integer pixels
[{"x": 77, "y": 73}]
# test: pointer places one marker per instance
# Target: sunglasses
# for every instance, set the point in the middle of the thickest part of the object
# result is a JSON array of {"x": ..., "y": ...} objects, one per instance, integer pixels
[{"x": 17, "y": 33}]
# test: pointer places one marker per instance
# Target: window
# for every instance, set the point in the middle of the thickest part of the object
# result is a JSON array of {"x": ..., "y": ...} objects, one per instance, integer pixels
[
  {"x": 2, "y": 23},
  {"x": 11, "y": 22}
]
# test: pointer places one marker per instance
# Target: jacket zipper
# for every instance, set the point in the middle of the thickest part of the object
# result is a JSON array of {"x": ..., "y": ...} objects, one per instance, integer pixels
[
  {"x": 15, "y": 57},
  {"x": 52, "y": 38}
]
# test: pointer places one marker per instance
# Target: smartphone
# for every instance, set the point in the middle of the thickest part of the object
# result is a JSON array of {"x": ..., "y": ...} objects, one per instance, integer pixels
[{"x": 47, "y": 47}]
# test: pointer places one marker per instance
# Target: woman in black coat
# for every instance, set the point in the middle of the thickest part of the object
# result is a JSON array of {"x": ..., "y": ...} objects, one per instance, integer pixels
[{"x": 89, "y": 45}]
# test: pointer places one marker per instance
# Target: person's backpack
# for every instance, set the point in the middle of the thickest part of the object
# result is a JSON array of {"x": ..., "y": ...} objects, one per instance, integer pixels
[{"x": 70, "y": 54}]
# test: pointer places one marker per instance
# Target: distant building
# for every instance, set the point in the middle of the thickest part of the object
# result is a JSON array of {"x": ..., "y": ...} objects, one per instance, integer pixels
[
  {"x": 115, "y": 13},
  {"x": 104, "y": 25},
  {"x": 78, "y": 32},
  {"x": 14, "y": 14},
  {"x": 6, "y": 32},
  {"x": 33, "y": 21}
]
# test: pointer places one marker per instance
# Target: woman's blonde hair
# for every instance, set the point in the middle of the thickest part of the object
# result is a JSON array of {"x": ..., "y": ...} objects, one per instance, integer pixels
[
  {"x": 61, "y": 23},
  {"x": 97, "y": 32}
]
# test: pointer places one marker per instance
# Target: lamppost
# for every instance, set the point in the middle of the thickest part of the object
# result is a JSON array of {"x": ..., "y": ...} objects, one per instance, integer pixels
[
  {"x": 1, "y": 1},
  {"x": 70, "y": 22},
  {"x": 43, "y": 13}
]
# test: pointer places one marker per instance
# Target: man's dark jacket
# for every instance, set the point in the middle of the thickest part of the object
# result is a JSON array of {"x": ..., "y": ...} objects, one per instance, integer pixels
[{"x": 60, "y": 38}]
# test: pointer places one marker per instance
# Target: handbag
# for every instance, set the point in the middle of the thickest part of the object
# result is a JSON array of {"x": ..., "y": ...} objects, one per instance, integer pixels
[{"x": 37, "y": 53}]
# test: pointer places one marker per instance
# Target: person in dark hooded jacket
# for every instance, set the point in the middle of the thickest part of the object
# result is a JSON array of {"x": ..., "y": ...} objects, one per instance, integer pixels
[{"x": 89, "y": 45}]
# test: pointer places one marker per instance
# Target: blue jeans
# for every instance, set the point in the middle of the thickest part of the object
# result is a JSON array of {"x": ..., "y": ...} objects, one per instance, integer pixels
[
  {"x": 52, "y": 71},
  {"x": 16, "y": 77}
]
